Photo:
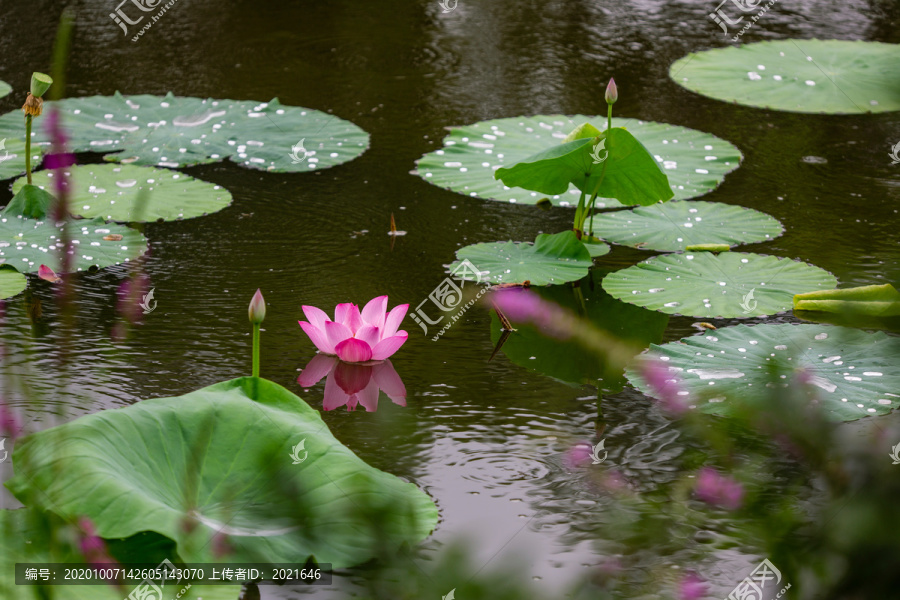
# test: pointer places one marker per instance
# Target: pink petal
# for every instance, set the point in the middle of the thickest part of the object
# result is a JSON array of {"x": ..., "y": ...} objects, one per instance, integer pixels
[
  {"x": 337, "y": 333},
  {"x": 47, "y": 274},
  {"x": 390, "y": 383},
  {"x": 387, "y": 346},
  {"x": 316, "y": 316},
  {"x": 353, "y": 319},
  {"x": 392, "y": 323},
  {"x": 375, "y": 311},
  {"x": 334, "y": 395},
  {"x": 369, "y": 334},
  {"x": 352, "y": 377},
  {"x": 340, "y": 312},
  {"x": 318, "y": 337},
  {"x": 369, "y": 397},
  {"x": 353, "y": 350},
  {"x": 316, "y": 369}
]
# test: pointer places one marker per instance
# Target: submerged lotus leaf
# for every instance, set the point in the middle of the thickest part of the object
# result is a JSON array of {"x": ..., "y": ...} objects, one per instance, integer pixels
[
  {"x": 849, "y": 372},
  {"x": 12, "y": 283},
  {"x": 807, "y": 76},
  {"x": 220, "y": 459},
  {"x": 567, "y": 360},
  {"x": 673, "y": 226},
  {"x": 5, "y": 89},
  {"x": 551, "y": 259},
  {"x": 26, "y": 541},
  {"x": 134, "y": 193},
  {"x": 175, "y": 131},
  {"x": 731, "y": 284},
  {"x": 695, "y": 162},
  {"x": 12, "y": 157},
  {"x": 614, "y": 164}
]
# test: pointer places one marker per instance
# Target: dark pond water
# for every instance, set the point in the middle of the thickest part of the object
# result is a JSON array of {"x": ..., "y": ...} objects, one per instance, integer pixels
[{"x": 485, "y": 439}]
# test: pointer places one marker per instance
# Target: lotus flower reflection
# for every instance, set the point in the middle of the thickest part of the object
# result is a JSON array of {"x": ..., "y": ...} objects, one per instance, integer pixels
[
  {"x": 351, "y": 384},
  {"x": 356, "y": 336}
]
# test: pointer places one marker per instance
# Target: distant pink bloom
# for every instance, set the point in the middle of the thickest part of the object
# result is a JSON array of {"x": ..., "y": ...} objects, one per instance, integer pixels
[
  {"x": 719, "y": 490},
  {"x": 579, "y": 455},
  {"x": 47, "y": 274},
  {"x": 352, "y": 384},
  {"x": 665, "y": 386},
  {"x": 10, "y": 426},
  {"x": 692, "y": 587},
  {"x": 92, "y": 547},
  {"x": 524, "y": 306},
  {"x": 356, "y": 336}
]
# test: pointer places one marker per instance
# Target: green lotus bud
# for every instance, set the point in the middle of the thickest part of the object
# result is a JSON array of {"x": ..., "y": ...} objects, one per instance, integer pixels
[{"x": 40, "y": 83}]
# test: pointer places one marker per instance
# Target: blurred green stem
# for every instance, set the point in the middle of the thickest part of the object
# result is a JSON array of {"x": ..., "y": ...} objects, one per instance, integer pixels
[{"x": 28, "y": 119}]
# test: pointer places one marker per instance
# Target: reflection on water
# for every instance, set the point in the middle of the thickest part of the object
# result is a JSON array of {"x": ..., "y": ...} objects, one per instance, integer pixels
[{"x": 350, "y": 384}]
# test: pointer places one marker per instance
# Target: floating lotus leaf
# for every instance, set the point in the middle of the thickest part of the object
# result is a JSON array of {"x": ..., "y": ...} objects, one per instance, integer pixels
[
  {"x": 853, "y": 373},
  {"x": 12, "y": 157},
  {"x": 12, "y": 283},
  {"x": 175, "y": 131},
  {"x": 673, "y": 226},
  {"x": 695, "y": 162},
  {"x": 5, "y": 89},
  {"x": 626, "y": 171},
  {"x": 807, "y": 76},
  {"x": 24, "y": 542},
  {"x": 551, "y": 259},
  {"x": 245, "y": 458},
  {"x": 567, "y": 360},
  {"x": 112, "y": 192},
  {"x": 731, "y": 284}
]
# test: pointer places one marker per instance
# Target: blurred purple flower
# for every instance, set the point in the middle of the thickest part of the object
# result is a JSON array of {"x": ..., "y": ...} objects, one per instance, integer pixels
[
  {"x": 579, "y": 455},
  {"x": 58, "y": 158},
  {"x": 92, "y": 546},
  {"x": 692, "y": 587},
  {"x": 665, "y": 386},
  {"x": 9, "y": 423},
  {"x": 719, "y": 490},
  {"x": 524, "y": 306},
  {"x": 351, "y": 384},
  {"x": 130, "y": 293}
]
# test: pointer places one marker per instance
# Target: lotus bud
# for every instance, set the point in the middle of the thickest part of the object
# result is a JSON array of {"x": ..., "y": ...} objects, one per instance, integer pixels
[
  {"x": 40, "y": 83},
  {"x": 612, "y": 92},
  {"x": 257, "y": 309}
]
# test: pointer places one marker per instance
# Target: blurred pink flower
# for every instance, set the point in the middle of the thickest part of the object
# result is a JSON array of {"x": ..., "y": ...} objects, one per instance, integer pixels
[
  {"x": 9, "y": 423},
  {"x": 351, "y": 384},
  {"x": 47, "y": 274},
  {"x": 354, "y": 336},
  {"x": 579, "y": 455},
  {"x": 692, "y": 587},
  {"x": 719, "y": 490},
  {"x": 664, "y": 386},
  {"x": 92, "y": 547},
  {"x": 524, "y": 306}
]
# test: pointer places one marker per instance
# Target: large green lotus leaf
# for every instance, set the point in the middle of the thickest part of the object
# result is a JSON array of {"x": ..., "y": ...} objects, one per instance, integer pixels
[
  {"x": 551, "y": 259},
  {"x": 175, "y": 131},
  {"x": 853, "y": 373},
  {"x": 674, "y": 226},
  {"x": 12, "y": 157},
  {"x": 567, "y": 360},
  {"x": 627, "y": 173},
  {"x": 23, "y": 542},
  {"x": 12, "y": 282},
  {"x": 807, "y": 76},
  {"x": 220, "y": 458},
  {"x": 865, "y": 301},
  {"x": 730, "y": 284},
  {"x": 111, "y": 192},
  {"x": 5, "y": 89},
  {"x": 26, "y": 244},
  {"x": 695, "y": 162}
]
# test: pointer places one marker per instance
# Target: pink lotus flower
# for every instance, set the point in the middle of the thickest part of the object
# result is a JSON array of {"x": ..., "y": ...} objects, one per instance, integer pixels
[
  {"x": 665, "y": 386},
  {"x": 356, "y": 336},
  {"x": 351, "y": 384},
  {"x": 719, "y": 490},
  {"x": 692, "y": 587}
]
